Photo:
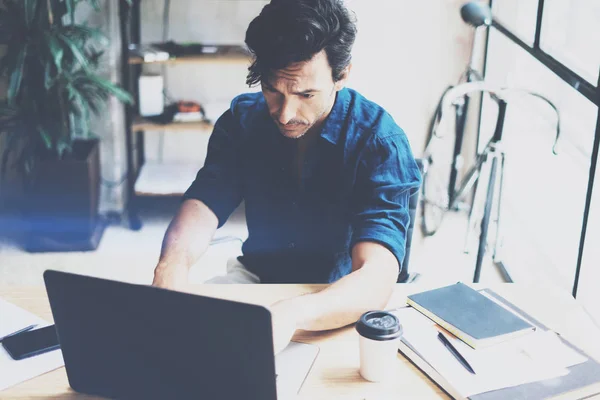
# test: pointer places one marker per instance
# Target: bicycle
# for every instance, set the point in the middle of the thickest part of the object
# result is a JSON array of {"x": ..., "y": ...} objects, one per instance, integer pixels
[{"x": 442, "y": 190}]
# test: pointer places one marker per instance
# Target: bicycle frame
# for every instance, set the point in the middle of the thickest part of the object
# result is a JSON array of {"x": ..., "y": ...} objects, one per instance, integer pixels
[
  {"x": 441, "y": 195},
  {"x": 461, "y": 119},
  {"x": 473, "y": 174}
]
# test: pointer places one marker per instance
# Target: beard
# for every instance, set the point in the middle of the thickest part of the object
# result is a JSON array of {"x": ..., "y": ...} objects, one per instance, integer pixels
[{"x": 299, "y": 129}]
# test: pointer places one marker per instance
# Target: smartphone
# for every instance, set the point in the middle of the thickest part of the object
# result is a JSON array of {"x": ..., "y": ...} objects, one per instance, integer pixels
[{"x": 31, "y": 343}]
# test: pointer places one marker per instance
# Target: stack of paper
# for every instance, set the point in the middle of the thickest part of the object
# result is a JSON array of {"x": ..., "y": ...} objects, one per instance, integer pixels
[
  {"x": 12, "y": 371},
  {"x": 530, "y": 358}
]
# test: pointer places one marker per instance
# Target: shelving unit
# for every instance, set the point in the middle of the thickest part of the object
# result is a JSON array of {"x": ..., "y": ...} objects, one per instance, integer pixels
[
  {"x": 157, "y": 179},
  {"x": 160, "y": 179},
  {"x": 140, "y": 124},
  {"x": 224, "y": 53}
]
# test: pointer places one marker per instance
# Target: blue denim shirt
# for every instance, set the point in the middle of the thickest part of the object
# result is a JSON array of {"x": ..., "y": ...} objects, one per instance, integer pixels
[{"x": 355, "y": 186}]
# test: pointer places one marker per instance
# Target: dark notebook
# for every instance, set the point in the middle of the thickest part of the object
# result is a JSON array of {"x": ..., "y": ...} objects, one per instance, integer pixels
[{"x": 469, "y": 315}]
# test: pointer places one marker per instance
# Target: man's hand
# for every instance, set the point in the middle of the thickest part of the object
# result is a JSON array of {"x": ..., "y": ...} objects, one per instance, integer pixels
[
  {"x": 172, "y": 277},
  {"x": 284, "y": 322}
]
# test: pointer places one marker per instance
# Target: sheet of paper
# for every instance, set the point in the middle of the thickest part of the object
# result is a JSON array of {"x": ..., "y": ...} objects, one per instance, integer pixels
[
  {"x": 543, "y": 347},
  {"x": 496, "y": 370},
  {"x": 13, "y": 318},
  {"x": 17, "y": 371}
]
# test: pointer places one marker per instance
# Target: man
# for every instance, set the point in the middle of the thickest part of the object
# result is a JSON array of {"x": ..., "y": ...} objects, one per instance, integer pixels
[{"x": 324, "y": 173}]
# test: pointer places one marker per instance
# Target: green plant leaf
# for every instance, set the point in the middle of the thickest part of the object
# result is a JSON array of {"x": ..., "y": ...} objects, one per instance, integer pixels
[
  {"x": 92, "y": 97},
  {"x": 70, "y": 4},
  {"x": 30, "y": 7},
  {"x": 63, "y": 146},
  {"x": 95, "y": 99},
  {"x": 94, "y": 57},
  {"x": 16, "y": 77},
  {"x": 47, "y": 76},
  {"x": 72, "y": 93},
  {"x": 56, "y": 50},
  {"x": 46, "y": 137},
  {"x": 75, "y": 51},
  {"x": 29, "y": 164},
  {"x": 84, "y": 121},
  {"x": 84, "y": 33},
  {"x": 113, "y": 89},
  {"x": 49, "y": 80},
  {"x": 80, "y": 110}
]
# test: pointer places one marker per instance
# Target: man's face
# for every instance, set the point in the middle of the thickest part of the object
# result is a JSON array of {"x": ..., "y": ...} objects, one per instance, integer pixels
[{"x": 301, "y": 95}]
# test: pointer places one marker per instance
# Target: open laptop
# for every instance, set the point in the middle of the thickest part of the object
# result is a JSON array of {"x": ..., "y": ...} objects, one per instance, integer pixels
[{"x": 123, "y": 340}]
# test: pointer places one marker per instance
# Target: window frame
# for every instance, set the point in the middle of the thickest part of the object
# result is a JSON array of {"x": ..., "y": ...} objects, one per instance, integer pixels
[{"x": 578, "y": 83}]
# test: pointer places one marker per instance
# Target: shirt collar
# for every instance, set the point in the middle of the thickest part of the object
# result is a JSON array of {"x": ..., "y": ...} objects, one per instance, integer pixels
[{"x": 332, "y": 128}]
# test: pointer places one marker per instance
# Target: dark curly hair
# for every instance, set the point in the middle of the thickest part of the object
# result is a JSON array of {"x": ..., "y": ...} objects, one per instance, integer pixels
[{"x": 289, "y": 31}]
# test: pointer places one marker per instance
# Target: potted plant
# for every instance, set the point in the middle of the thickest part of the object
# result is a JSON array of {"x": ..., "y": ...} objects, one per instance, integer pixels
[{"x": 51, "y": 66}]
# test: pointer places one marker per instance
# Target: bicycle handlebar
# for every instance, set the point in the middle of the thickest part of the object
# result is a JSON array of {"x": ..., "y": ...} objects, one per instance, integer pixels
[{"x": 501, "y": 92}]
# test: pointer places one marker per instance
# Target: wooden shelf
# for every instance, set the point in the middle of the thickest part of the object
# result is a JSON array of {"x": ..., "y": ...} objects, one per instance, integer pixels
[
  {"x": 165, "y": 179},
  {"x": 194, "y": 59},
  {"x": 141, "y": 124},
  {"x": 230, "y": 53}
]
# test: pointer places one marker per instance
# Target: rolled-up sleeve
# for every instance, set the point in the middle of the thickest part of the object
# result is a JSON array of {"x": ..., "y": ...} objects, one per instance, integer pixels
[
  {"x": 387, "y": 176},
  {"x": 218, "y": 183}
]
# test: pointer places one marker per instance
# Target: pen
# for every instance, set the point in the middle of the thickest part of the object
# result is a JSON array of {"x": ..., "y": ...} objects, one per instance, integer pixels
[
  {"x": 27, "y": 328},
  {"x": 455, "y": 352}
]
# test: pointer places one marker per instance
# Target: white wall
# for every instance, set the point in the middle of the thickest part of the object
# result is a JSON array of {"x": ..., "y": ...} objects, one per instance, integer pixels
[{"x": 406, "y": 53}]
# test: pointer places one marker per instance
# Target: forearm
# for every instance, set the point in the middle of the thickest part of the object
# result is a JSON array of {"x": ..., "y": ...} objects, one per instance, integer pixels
[
  {"x": 368, "y": 287},
  {"x": 187, "y": 237}
]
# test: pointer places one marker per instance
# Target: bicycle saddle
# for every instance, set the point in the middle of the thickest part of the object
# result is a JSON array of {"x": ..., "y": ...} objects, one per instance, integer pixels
[{"x": 476, "y": 14}]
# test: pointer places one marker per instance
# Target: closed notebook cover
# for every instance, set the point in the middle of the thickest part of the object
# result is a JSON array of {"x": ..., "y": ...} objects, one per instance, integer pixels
[{"x": 468, "y": 311}]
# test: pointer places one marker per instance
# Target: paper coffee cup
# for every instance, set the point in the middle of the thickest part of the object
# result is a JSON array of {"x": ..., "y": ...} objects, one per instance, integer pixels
[{"x": 378, "y": 343}]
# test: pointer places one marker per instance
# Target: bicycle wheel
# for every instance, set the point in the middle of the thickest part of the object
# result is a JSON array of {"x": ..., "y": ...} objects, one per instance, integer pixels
[
  {"x": 434, "y": 195},
  {"x": 485, "y": 221},
  {"x": 438, "y": 160}
]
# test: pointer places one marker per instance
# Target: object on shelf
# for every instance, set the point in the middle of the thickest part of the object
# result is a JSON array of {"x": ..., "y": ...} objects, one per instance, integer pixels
[
  {"x": 188, "y": 117},
  {"x": 182, "y": 111},
  {"x": 141, "y": 124},
  {"x": 185, "y": 49},
  {"x": 148, "y": 52},
  {"x": 189, "y": 111},
  {"x": 161, "y": 52},
  {"x": 151, "y": 99}
]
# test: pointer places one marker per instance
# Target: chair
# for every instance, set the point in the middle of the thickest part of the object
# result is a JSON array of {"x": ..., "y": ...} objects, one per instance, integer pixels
[{"x": 405, "y": 276}]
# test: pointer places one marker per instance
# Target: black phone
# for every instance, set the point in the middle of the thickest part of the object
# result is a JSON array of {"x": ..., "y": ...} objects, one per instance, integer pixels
[{"x": 31, "y": 343}]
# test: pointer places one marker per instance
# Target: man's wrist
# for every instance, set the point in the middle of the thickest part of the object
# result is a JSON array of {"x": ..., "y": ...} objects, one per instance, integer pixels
[
  {"x": 163, "y": 266},
  {"x": 169, "y": 273},
  {"x": 305, "y": 310}
]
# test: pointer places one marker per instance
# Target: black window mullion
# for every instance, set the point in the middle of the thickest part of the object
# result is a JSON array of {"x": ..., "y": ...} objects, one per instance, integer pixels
[
  {"x": 588, "y": 198},
  {"x": 566, "y": 74},
  {"x": 538, "y": 24}
]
